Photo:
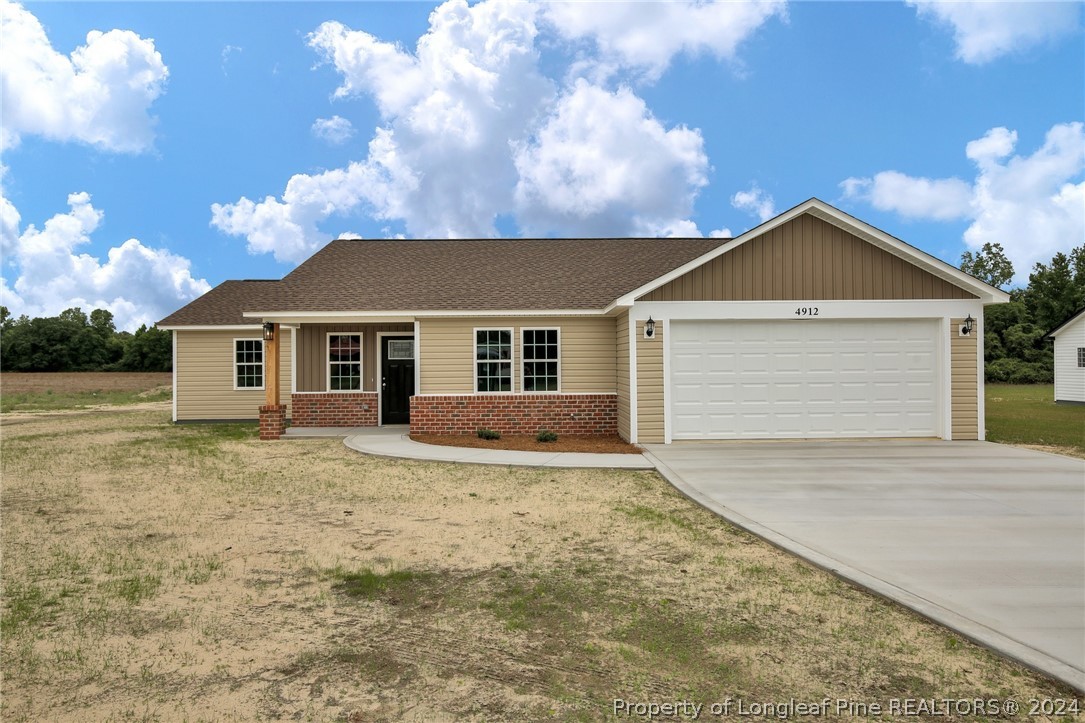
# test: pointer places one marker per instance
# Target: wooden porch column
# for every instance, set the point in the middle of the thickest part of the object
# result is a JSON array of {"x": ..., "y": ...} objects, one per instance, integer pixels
[
  {"x": 271, "y": 368},
  {"x": 272, "y": 414}
]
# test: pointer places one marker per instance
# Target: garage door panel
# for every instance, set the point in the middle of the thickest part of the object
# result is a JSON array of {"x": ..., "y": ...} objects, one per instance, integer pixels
[{"x": 804, "y": 379}]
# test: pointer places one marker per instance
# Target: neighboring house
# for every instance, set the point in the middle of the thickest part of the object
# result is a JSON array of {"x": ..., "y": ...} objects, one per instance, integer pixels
[
  {"x": 812, "y": 325},
  {"x": 1069, "y": 339}
]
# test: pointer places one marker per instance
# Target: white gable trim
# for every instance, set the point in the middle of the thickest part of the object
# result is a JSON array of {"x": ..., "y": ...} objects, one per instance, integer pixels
[{"x": 819, "y": 209}]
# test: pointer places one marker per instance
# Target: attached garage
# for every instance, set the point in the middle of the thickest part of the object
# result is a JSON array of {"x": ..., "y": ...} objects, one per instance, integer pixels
[
  {"x": 804, "y": 379},
  {"x": 813, "y": 325}
]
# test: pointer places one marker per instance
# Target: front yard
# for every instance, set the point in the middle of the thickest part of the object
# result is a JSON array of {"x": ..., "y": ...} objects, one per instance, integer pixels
[{"x": 157, "y": 572}]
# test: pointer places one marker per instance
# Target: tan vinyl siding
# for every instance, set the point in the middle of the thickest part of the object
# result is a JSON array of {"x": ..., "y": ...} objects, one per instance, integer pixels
[
  {"x": 964, "y": 394},
  {"x": 806, "y": 259},
  {"x": 447, "y": 351},
  {"x": 313, "y": 352},
  {"x": 205, "y": 376},
  {"x": 621, "y": 344},
  {"x": 650, "y": 385}
]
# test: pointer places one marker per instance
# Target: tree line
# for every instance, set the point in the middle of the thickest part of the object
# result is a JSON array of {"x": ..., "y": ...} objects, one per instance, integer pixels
[
  {"x": 75, "y": 342},
  {"x": 1015, "y": 350},
  {"x": 1014, "y": 347}
]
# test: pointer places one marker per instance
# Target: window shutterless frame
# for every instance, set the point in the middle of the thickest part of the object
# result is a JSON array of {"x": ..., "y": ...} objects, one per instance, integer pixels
[
  {"x": 539, "y": 349},
  {"x": 1081, "y": 356},
  {"x": 248, "y": 364},
  {"x": 341, "y": 369},
  {"x": 487, "y": 347}
]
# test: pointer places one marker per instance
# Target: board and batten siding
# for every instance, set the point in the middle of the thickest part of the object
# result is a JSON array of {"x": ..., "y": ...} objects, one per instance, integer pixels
[
  {"x": 446, "y": 352},
  {"x": 650, "y": 429},
  {"x": 205, "y": 376},
  {"x": 1069, "y": 377},
  {"x": 806, "y": 259},
  {"x": 621, "y": 380},
  {"x": 313, "y": 352},
  {"x": 964, "y": 386}
]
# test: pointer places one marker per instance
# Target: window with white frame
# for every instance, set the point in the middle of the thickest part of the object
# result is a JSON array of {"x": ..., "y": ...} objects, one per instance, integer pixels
[
  {"x": 540, "y": 359},
  {"x": 248, "y": 363},
  {"x": 344, "y": 362},
  {"x": 1081, "y": 356},
  {"x": 493, "y": 360}
]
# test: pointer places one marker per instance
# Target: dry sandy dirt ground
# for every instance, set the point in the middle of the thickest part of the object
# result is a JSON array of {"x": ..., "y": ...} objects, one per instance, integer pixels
[
  {"x": 17, "y": 382},
  {"x": 161, "y": 572}
]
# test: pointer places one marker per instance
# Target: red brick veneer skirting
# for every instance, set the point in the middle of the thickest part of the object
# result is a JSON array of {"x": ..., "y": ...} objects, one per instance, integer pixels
[
  {"x": 334, "y": 409},
  {"x": 570, "y": 414}
]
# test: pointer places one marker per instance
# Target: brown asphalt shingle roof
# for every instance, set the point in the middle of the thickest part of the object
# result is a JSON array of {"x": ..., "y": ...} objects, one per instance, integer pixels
[
  {"x": 454, "y": 275},
  {"x": 222, "y": 305}
]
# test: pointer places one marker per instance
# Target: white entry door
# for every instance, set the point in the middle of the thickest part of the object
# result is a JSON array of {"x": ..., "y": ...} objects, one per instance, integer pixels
[{"x": 804, "y": 379}]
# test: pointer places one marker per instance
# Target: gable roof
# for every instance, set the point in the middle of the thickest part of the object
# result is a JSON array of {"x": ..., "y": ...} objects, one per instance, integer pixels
[
  {"x": 819, "y": 209},
  {"x": 1065, "y": 323},
  {"x": 223, "y": 305}
]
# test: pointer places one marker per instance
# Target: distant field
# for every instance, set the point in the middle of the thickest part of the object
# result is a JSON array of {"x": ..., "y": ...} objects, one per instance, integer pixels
[
  {"x": 1027, "y": 414},
  {"x": 76, "y": 390}
]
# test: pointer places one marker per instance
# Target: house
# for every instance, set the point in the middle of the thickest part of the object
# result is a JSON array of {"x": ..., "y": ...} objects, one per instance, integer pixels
[
  {"x": 1069, "y": 337},
  {"x": 812, "y": 325}
]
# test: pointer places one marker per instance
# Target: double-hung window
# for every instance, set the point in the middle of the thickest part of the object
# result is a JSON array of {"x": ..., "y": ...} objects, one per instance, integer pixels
[
  {"x": 1081, "y": 356},
  {"x": 540, "y": 359},
  {"x": 493, "y": 360},
  {"x": 344, "y": 362},
  {"x": 248, "y": 363}
]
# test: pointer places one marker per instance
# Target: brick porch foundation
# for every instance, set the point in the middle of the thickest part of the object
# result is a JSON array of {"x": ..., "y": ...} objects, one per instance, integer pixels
[
  {"x": 272, "y": 421},
  {"x": 334, "y": 409},
  {"x": 570, "y": 414}
]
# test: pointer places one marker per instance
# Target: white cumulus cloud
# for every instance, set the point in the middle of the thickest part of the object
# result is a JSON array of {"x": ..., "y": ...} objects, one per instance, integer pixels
[
  {"x": 335, "y": 130},
  {"x": 138, "y": 284},
  {"x": 442, "y": 161},
  {"x": 604, "y": 165},
  {"x": 985, "y": 30},
  {"x": 100, "y": 95},
  {"x": 647, "y": 35},
  {"x": 1034, "y": 205},
  {"x": 756, "y": 202},
  {"x": 943, "y": 199},
  {"x": 472, "y": 130}
]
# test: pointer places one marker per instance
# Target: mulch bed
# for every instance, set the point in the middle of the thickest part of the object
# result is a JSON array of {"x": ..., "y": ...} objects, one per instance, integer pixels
[{"x": 612, "y": 444}]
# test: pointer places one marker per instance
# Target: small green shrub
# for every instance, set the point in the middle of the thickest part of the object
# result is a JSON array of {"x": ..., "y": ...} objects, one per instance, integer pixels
[
  {"x": 484, "y": 433},
  {"x": 545, "y": 435}
]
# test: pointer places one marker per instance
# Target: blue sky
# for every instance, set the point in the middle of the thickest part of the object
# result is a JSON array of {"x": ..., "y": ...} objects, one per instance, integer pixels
[{"x": 152, "y": 150}]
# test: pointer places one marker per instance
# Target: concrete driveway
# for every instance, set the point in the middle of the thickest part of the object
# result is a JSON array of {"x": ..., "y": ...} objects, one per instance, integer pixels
[{"x": 984, "y": 538}]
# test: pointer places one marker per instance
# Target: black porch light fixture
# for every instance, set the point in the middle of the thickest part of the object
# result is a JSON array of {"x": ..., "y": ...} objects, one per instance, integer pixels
[
  {"x": 649, "y": 328},
  {"x": 969, "y": 325},
  {"x": 269, "y": 331}
]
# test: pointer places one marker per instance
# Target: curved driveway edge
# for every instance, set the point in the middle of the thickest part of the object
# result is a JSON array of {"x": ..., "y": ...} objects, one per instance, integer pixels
[{"x": 735, "y": 481}]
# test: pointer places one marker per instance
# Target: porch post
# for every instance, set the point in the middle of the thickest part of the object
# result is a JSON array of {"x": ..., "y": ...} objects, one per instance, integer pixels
[{"x": 272, "y": 414}]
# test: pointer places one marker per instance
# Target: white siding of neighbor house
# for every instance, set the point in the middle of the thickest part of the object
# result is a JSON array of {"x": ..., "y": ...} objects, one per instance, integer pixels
[
  {"x": 1069, "y": 377},
  {"x": 205, "y": 376}
]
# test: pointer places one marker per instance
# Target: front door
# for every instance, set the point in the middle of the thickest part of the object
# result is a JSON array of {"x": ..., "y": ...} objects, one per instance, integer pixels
[{"x": 397, "y": 378}]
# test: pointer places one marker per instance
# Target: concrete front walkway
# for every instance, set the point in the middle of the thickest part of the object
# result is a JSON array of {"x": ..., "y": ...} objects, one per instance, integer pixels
[
  {"x": 984, "y": 538},
  {"x": 392, "y": 441}
]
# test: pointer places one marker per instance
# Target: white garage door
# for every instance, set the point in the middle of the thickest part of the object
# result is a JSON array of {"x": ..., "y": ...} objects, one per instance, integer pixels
[{"x": 799, "y": 379}]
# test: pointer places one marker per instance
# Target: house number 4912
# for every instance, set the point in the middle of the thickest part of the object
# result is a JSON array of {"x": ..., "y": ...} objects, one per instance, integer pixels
[{"x": 806, "y": 311}]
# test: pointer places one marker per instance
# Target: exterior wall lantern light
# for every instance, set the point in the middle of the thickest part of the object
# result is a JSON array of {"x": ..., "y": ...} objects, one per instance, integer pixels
[
  {"x": 968, "y": 326},
  {"x": 269, "y": 331},
  {"x": 649, "y": 328}
]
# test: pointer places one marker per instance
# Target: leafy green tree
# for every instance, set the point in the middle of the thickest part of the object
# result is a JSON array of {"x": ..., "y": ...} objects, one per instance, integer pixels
[
  {"x": 988, "y": 264},
  {"x": 1057, "y": 290},
  {"x": 148, "y": 350}
]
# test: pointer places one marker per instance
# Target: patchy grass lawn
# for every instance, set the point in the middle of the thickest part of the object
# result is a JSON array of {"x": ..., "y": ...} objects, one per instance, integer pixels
[
  {"x": 1026, "y": 414},
  {"x": 74, "y": 390},
  {"x": 155, "y": 572}
]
